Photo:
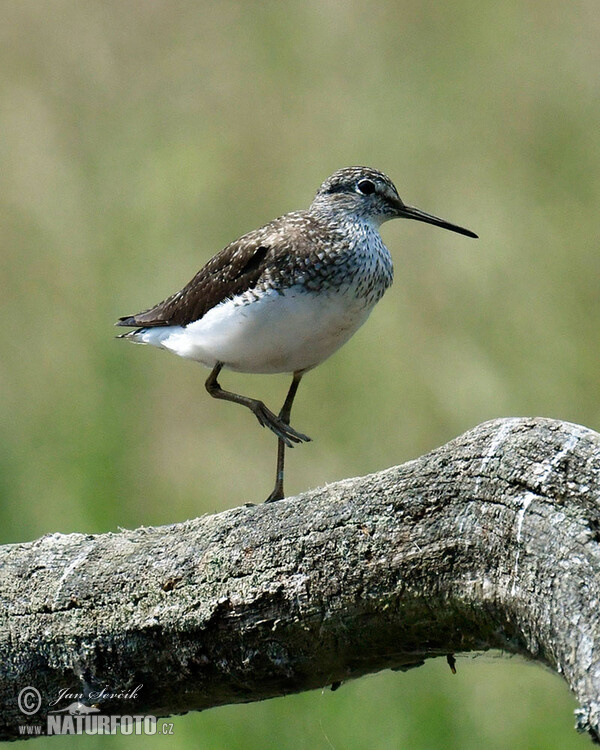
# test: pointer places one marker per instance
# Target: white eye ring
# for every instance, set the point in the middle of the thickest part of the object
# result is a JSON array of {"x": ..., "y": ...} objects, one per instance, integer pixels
[{"x": 365, "y": 187}]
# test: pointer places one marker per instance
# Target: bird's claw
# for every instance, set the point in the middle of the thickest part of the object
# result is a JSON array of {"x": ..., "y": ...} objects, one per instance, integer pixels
[{"x": 284, "y": 432}]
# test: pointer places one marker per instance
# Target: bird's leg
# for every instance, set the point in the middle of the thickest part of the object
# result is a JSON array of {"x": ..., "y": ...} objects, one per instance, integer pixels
[
  {"x": 284, "y": 416},
  {"x": 265, "y": 416}
]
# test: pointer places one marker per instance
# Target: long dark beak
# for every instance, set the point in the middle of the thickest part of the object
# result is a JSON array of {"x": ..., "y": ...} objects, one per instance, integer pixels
[{"x": 408, "y": 212}]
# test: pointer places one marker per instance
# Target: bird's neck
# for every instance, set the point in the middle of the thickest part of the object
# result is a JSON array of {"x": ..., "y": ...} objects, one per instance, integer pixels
[{"x": 335, "y": 214}]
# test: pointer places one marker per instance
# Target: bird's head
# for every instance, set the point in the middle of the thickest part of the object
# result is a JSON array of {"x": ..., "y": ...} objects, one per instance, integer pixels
[{"x": 370, "y": 195}]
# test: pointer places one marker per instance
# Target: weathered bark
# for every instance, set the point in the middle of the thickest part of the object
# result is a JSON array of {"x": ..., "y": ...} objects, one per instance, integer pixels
[{"x": 491, "y": 541}]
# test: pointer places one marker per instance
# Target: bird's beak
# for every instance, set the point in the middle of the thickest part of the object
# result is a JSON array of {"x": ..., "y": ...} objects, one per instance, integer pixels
[{"x": 408, "y": 212}]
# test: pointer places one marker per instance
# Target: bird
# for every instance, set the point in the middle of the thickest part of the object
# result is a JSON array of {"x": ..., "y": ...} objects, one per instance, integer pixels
[{"x": 284, "y": 297}]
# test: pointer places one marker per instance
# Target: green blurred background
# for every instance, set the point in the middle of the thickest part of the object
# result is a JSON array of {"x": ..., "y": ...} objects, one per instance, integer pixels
[{"x": 138, "y": 138}]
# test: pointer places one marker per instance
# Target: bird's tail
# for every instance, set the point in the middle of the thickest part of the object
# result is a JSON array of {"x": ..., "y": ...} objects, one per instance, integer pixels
[
  {"x": 131, "y": 335},
  {"x": 153, "y": 336}
]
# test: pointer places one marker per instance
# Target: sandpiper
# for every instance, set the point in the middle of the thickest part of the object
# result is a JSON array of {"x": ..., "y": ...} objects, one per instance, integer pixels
[{"x": 283, "y": 298}]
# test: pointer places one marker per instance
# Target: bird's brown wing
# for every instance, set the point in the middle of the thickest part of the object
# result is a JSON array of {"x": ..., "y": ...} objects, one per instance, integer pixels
[{"x": 235, "y": 269}]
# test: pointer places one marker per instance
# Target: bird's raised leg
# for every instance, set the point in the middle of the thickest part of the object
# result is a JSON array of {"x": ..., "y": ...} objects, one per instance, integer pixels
[
  {"x": 284, "y": 416},
  {"x": 265, "y": 416}
]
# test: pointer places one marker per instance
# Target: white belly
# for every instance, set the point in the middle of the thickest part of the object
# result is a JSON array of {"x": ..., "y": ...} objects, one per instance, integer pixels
[{"x": 287, "y": 332}]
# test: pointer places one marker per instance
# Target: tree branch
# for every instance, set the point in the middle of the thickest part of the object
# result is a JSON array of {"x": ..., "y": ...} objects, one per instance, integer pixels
[{"x": 491, "y": 541}]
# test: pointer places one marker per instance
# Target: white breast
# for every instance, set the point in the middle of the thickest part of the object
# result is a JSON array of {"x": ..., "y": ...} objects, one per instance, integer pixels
[{"x": 277, "y": 332}]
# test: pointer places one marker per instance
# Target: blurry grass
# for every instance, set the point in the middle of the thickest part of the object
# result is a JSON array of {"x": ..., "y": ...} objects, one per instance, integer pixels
[{"x": 138, "y": 140}]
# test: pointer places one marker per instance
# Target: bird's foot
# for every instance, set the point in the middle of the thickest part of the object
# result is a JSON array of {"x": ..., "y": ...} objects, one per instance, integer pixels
[
  {"x": 277, "y": 494},
  {"x": 283, "y": 430}
]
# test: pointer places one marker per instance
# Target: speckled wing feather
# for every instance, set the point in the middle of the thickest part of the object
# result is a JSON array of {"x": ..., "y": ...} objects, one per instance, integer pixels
[{"x": 236, "y": 269}]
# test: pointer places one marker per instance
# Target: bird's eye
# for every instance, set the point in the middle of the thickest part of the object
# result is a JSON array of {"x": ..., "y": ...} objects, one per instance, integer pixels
[{"x": 366, "y": 187}]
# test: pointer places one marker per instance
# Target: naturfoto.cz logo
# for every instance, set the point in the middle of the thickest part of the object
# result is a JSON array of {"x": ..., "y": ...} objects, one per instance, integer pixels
[{"x": 83, "y": 716}]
